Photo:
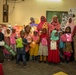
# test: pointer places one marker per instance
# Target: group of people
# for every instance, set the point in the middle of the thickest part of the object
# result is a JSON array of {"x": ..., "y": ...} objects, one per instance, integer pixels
[{"x": 45, "y": 42}]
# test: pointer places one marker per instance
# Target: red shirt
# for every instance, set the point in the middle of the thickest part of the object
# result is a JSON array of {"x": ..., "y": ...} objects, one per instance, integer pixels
[{"x": 44, "y": 35}]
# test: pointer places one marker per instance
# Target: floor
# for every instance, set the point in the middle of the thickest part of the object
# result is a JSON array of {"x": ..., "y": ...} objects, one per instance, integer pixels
[{"x": 36, "y": 68}]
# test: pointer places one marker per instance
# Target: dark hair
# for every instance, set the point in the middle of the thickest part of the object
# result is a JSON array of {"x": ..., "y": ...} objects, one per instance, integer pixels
[
  {"x": 26, "y": 27},
  {"x": 73, "y": 15},
  {"x": 69, "y": 29},
  {"x": 22, "y": 32}
]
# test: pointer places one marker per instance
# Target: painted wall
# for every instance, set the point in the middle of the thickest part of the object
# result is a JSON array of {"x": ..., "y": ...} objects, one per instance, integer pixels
[{"x": 20, "y": 13}]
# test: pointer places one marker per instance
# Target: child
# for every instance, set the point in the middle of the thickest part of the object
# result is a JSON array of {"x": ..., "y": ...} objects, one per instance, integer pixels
[
  {"x": 54, "y": 24},
  {"x": 13, "y": 41},
  {"x": 53, "y": 53},
  {"x": 67, "y": 38},
  {"x": 34, "y": 46},
  {"x": 43, "y": 48},
  {"x": 61, "y": 46},
  {"x": 7, "y": 40},
  {"x": 21, "y": 44}
]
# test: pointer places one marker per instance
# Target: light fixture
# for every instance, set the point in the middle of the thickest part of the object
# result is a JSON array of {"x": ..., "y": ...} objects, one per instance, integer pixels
[{"x": 50, "y": 0}]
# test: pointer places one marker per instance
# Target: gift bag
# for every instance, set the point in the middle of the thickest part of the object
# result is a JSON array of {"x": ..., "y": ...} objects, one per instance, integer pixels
[
  {"x": 63, "y": 38},
  {"x": 69, "y": 37},
  {"x": 33, "y": 44},
  {"x": 53, "y": 45},
  {"x": 44, "y": 41},
  {"x": 2, "y": 43}
]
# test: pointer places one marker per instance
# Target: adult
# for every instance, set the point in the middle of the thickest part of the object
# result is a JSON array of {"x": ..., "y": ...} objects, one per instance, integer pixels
[
  {"x": 29, "y": 40},
  {"x": 54, "y": 24},
  {"x": 33, "y": 25},
  {"x": 70, "y": 23},
  {"x": 32, "y": 20},
  {"x": 1, "y": 47},
  {"x": 42, "y": 24}
]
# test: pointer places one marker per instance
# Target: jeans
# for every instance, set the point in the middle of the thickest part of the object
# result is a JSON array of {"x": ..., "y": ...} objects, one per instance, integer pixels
[{"x": 23, "y": 58}]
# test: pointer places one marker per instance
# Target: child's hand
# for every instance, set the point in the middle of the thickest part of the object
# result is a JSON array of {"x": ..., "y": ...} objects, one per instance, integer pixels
[{"x": 24, "y": 43}]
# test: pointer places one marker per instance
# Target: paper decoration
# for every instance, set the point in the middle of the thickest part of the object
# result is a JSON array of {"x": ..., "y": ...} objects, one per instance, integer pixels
[
  {"x": 64, "y": 21},
  {"x": 53, "y": 45},
  {"x": 9, "y": 49}
]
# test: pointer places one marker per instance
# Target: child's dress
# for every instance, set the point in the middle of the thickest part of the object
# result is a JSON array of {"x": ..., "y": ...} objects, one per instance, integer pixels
[
  {"x": 13, "y": 41},
  {"x": 34, "y": 46},
  {"x": 53, "y": 52},
  {"x": 43, "y": 48},
  {"x": 67, "y": 38}
]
